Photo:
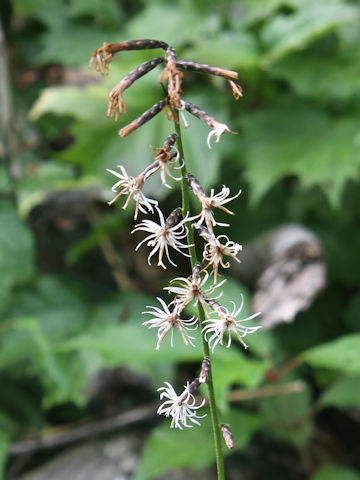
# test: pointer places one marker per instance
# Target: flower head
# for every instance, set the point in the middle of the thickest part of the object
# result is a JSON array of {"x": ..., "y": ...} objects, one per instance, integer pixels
[
  {"x": 215, "y": 250},
  {"x": 224, "y": 321},
  {"x": 217, "y": 131},
  {"x": 182, "y": 408},
  {"x": 191, "y": 288},
  {"x": 165, "y": 157},
  {"x": 131, "y": 186},
  {"x": 209, "y": 203},
  {"x": 168, "y": 233},
  {"x": 166, "y": 321}
]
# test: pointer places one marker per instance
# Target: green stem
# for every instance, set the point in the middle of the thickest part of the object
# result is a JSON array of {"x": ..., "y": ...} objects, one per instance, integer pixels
[{"x": 193, "y": 259}]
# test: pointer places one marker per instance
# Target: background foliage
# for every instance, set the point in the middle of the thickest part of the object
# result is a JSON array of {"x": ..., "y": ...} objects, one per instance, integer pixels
[{"x": 296, "y": 157}]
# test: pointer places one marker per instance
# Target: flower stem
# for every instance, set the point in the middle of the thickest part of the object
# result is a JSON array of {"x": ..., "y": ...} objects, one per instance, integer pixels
[{"x": 193, "y": 259}]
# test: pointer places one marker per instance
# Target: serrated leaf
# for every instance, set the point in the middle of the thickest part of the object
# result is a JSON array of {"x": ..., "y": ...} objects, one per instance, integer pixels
[
  {"x": 335, "y": 473},
  {"x": 285, "y": 33},
  {"x": 167, "y": 449},
  {"x": 320, "y": 76},
  {"x": 344, "y": 393},
  {"x": 320, "y": 151}
]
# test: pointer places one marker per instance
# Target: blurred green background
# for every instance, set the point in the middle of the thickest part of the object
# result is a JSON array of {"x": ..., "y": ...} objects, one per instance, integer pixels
[{"x": 72, "y": 291}]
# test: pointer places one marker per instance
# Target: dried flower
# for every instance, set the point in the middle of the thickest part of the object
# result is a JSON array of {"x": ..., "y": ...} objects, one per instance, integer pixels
[
  {"x": 132, "y": 186},
  {"x": 166, "y": 156},
  {"x": 166, "y": 321},
  {"x": 102, "y": 56},
  {"x": 229, "y": 75},
  {"x": 205, "y": 370},
  {"x": 226, "y": 432},
  {"x": 189, "y": 289},
  {"x": 116, "y": 101},
  {"x": 182, "y": 408},
  {"x": 208, "y": 203},
  {"x": 173, "y": 76},
  {"x": 225, "y": 321},
  {"x": 144, "y": 117},
  {"x": 168, "y": 233}
]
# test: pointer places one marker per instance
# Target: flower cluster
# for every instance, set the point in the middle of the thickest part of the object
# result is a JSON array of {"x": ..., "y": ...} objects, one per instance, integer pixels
[{"x": 172, "y": 232}]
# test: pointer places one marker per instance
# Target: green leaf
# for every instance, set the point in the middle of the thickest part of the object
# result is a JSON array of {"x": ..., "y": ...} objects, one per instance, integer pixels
[
  {"x": 105, "y": 13},
  {"x": 42, "y": 180},
  {"x": 233, "y": 50},
  {"x": 180, "y": 23},
  {"x": 77, "y": 42},
  {"x": 167, "y": 449},
  {"x": 16, "y": 251},
  {"x": 342, "y": 354},
  {"x": 343, "y": 393},
  {"x": 84, "y": 103},
  {"x": 234, "y": 368},
  {"x": 322, "y": 76},
  {"x": 285, "y": 33},
  {"x": 257, "y": 10},
  {"x": 320, "y": 151},
  {"x": 335, "y": 473},
  {"x": 59, "y": 310},
  {"x": 67, "y": 40},
  {"x": 287, "y": 416},
  {"x": 124, "y": 344}
]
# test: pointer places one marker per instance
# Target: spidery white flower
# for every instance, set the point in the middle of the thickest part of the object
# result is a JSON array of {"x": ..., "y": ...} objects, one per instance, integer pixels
[
  {"x": 182, "y": 408},
  {"x": 191, "y": 288},
  {"x": 209, "y": 203},
  {"x": 217, "y": 131},
  {"x": 131, "y": 186},
  {"x": 224, "y": 321},
  {"x": 166, "y": 321},
  {"x": 168, "y": 233},
  {"x": 214, "y": 251}
]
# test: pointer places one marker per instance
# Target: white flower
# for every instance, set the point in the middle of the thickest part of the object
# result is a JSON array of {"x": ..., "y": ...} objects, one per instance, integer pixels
[
  {"x": 166, "y": 321},
  {"x": 217, "y": 131},
  {"x": 214, "y": 251},
  {"x": 182, "y": 408},
  {"x": 226, "y": 321},
  {"x": 209, "y": 203},
  {"x": 189, "y": 289},
  {"x": 168, "y": 233},
  {"x": 132, "y": 187}
]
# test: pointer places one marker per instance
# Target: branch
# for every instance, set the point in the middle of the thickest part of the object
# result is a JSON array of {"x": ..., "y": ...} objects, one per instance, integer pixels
[{"x": 60, "y": 437}]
